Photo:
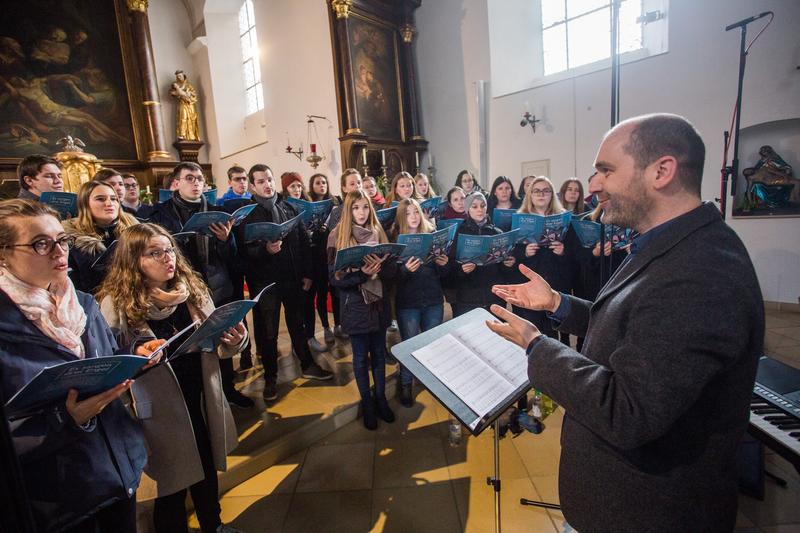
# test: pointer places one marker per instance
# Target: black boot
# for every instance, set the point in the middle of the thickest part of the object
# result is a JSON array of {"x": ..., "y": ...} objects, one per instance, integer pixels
[
  {"x": 370, "y": 420},
  {"x": 406, "y": 395},
  {"x": 384, "y": 411}
]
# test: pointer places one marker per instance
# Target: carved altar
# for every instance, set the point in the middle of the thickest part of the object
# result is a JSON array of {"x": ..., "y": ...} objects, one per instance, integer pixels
[{"x": 376, "y": 83}]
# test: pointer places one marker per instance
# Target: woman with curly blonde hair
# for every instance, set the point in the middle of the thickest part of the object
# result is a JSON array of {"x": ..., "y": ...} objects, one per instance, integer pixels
[
  {"x": 99, "y": 222},
  {"x": 151, "y": 291}
]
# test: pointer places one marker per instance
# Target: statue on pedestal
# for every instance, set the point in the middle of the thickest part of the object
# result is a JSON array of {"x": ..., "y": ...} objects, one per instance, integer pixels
[{"x": 187, "y": 128}]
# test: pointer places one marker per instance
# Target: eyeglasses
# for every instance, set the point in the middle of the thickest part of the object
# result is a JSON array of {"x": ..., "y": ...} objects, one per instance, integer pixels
[
  {"x": 542, "y": 192},
  {"x": 130, "y": 186},
  {"x": 191, "y": 179},
  {"x": 51, "y": 177},
  {"x": 160, "y": 255},
  {"x": 46, "y": 245}
]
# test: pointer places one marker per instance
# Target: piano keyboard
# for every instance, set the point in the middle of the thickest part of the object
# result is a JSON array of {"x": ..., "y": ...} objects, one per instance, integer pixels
[{"x": 775, "y": 409}]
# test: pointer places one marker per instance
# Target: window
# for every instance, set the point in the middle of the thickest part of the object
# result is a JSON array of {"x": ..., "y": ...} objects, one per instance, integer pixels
[
  {"x": 578, "y": 32},
  {"x": 254, "y": 91},
  {"x": 538, "y": 42}
]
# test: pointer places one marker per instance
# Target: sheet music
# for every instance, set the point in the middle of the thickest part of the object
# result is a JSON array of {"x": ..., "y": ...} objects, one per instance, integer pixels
[
  {"x": 465, "y": 374},
  {"x": 508, "y": 359}
]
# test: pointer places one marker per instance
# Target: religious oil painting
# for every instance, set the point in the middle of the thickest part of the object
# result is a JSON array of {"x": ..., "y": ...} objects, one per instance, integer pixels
[
  {"x": 375, "y": 78},
  {"x": 61, "y": 73}
]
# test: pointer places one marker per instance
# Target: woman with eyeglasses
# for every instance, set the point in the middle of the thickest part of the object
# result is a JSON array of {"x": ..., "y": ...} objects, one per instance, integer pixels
[
  {"x": 549, "y": 261},
  {"x": 81, "y": 460},
  {"x": 152, "y": 292},
  {"x": 98, "y": 224},
  {"x": 467, "y": 182}
]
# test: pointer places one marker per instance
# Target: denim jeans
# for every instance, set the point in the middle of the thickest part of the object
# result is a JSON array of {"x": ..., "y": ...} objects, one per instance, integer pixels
[
  {"x": 369, "y": 350},
  {"x": 412, "y": 322}
]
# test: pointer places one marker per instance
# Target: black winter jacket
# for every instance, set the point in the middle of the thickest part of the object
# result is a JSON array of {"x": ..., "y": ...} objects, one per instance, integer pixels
[
  {"x": 475, "y": 288},
  {"x": 291, "y": 264}
]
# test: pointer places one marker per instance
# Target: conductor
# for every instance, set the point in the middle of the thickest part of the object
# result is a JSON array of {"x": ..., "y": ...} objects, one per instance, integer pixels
[{"x": 658, "y": 398}]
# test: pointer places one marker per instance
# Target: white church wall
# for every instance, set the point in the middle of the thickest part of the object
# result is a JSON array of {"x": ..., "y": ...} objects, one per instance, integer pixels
[
  {"x": 696, "y": 78},
  {"x": 296, "y": 69}
]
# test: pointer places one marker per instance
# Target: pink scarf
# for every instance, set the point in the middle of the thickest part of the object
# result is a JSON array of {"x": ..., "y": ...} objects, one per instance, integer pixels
[{"x": 56, "y": 312}]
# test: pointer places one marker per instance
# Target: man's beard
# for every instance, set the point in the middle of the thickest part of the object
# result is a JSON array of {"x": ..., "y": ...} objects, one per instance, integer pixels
[{"x": 630, "y": 209}]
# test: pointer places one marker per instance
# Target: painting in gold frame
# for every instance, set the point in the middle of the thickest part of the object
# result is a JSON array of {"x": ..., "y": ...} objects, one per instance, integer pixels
[{"x": 68, "y": 73}]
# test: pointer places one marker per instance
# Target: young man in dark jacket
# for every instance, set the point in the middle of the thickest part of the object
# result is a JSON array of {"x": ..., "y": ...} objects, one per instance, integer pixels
[
  {"x": 286, "y": 263},
  {"x": 210, "y": 256}
]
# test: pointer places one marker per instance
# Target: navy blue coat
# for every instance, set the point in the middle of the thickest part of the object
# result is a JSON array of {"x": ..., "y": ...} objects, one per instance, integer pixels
[{"x": 69, "y": 473}]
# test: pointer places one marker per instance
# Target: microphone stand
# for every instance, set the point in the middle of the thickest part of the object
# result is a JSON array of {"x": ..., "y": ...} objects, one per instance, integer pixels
[{"x": 732, "y": 172}]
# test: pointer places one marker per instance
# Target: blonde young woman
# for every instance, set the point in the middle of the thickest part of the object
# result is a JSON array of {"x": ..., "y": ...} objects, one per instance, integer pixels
[
  {"x": 419, "y": 301},
  {"x": 365, "y": 308},
  {"x": 402, "y": 187},
  {"x": 550, "y": 262},
  {"x": 99, "y": 222},
  {"x": 424, "y": 187},
  {"x": 151, "y": 291}
]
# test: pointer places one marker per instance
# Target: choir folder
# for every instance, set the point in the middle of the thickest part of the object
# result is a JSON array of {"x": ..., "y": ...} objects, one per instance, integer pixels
[{"x": 472, "y": 371}]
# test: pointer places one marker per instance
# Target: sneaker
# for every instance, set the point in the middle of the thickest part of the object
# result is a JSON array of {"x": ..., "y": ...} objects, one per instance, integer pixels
[
  {"x": 225, "y": 528},
  {"x": 270, "y": 389},
  {"x": 245, "y": 361},
  {"x": 329, "y": 337},
  {"x": 314, "y": 371},
  {"x": 339, "y": 332},
  {"x": 392, "y": 327},
  {"x": 317, "y": 346},
  {"x": 406, "y": 396},
  {"x": 370, "y": 420},
  {"x": 384, "y": 411},
  {"x": 238, "y": 399}
]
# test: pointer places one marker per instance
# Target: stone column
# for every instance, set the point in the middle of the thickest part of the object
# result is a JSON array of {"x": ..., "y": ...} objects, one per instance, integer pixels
[
  {"x": 413, "y": 126},
  {"x": 342, "y": 9},
  {"x": 154, "y": 124}
]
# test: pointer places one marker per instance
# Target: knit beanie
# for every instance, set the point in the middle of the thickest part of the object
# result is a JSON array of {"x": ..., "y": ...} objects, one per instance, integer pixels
[{"x": 287, "y": 178}]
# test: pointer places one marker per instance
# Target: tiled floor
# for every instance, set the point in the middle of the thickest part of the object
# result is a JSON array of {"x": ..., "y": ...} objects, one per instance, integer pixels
[{"x": 406, "y": 477}]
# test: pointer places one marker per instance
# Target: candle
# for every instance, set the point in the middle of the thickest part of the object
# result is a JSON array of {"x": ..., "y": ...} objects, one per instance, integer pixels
[
  {"x": 313, "y": 148},
  {"x": 364, "y": 156},
  {"x": 383, "y": 157},
  {"x": 416, "y": 158},
  {"x": 148, "y": 189},
  {"x": 430, "y": 159}
]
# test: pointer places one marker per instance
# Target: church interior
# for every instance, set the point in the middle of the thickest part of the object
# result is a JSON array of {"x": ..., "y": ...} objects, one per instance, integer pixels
[{"x": 509, "y": 88}]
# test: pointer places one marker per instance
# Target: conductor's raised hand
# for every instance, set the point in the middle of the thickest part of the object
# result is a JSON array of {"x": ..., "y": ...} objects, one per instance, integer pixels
[
  {"x": 535, "y": 294},
  {"x": 513, "y": 328},
  {"x": 84, "y": 410}
]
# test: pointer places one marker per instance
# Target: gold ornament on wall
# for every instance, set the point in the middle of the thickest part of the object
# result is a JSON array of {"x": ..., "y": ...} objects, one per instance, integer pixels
[
  {"x": 342, "y": 8},
  {"x": 137, "y": 5},
  {"x": 407, "y": 31},
  {"x": 187, "y": 124},
  {"x": 78, "y": 166}
]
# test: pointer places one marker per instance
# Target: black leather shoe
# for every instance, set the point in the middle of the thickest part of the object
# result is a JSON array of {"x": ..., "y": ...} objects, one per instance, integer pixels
[
  {"x": 384, "y": 411},
  {"x": 370, "y": 420},
  {"x": 406, "y": 395}
]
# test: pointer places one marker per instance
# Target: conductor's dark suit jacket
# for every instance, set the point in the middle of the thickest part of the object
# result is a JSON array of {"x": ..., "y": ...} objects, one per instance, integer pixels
[{"x": 658, "y": 400}]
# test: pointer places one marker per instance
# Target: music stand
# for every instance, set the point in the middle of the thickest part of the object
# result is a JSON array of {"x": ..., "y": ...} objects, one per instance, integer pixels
[{"x": 468, "y": 418}]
